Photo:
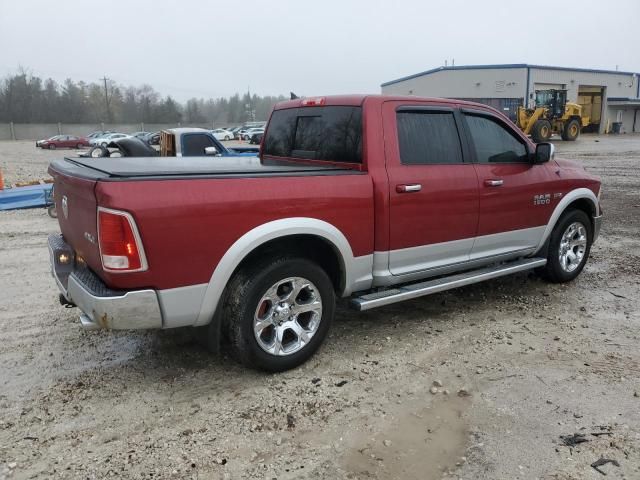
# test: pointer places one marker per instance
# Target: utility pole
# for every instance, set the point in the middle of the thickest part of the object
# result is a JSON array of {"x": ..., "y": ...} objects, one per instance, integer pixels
[
  {"x": 107, "y": 100},
  {"x": 251, "y": 113}
]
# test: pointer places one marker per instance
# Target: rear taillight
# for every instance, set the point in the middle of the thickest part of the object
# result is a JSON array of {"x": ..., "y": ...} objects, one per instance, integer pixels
[{"x": 120, "y": 245}]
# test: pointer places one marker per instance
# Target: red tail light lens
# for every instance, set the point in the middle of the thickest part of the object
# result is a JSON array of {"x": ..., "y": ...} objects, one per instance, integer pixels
[{"x": 120, "y": 245}]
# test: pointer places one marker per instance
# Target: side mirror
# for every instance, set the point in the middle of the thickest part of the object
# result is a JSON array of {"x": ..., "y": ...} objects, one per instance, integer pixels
[
  {"x": 210, "y": 151},
  {"x": 544, "y": 153}
]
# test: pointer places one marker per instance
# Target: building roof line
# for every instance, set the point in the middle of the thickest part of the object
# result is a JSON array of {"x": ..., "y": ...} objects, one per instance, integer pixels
[{"x": 505, "y": 66}]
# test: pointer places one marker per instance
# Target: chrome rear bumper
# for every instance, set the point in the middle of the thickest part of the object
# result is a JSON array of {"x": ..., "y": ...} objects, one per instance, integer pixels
[{"x": 101, "y": 306}]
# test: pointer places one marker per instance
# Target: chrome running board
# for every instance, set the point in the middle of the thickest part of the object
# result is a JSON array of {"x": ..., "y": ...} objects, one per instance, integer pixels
[{"x": 415, "y": 290}]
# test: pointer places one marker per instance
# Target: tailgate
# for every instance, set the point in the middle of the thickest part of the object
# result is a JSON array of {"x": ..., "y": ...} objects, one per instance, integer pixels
[{"x": 75, "y": 201}]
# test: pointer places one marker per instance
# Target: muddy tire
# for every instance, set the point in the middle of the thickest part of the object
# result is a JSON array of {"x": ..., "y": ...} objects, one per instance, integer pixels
[
  {"x": 571, "y": 130},
  {"x": 541, "y": 131},
  {"x": 569, "y": 247},
  {"x": 278, "y": 313}
]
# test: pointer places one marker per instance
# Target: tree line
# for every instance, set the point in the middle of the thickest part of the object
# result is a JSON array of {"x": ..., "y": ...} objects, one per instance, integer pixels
[{"x": 25, "y": 98}]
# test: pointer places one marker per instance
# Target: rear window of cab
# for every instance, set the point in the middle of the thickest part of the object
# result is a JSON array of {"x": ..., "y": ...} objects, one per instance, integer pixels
[{"x": 332, "y": 133}]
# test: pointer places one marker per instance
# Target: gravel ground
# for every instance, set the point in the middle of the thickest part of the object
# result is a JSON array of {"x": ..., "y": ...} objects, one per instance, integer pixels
[{"x": 515, "y": 365}]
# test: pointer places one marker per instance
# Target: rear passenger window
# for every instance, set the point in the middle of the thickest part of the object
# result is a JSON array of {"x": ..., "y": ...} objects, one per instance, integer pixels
[
  {"x": 427, "y": 137},
  {"x": 493, "y": 142},
  {"x": 318, "y": 133},
  {"x": 193, "y": 144}
]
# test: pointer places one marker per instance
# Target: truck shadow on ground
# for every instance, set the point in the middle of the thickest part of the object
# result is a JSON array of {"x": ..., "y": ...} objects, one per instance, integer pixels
[
  {"x": 178, "y": 351},
  {"x": 172, "y": 365}
]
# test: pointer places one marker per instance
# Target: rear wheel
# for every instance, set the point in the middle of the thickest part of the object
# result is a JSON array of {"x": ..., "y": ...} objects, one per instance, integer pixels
[
  {"x": 226, "y": 138},
  {"x": 571, "y": 130},
  {"x": 569, "y": 247},
  {"x": 541, "y": 131},
  {"x": 79, "y": 146},
  {"x": 279, "y": 313}
]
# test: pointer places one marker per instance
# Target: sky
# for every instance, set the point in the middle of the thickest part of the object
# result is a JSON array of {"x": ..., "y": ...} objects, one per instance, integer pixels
[{"x": 198, "y": 48}]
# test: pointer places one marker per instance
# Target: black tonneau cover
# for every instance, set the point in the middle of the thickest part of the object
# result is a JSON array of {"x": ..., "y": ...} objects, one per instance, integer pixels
[{"x": 119, "y": 168}]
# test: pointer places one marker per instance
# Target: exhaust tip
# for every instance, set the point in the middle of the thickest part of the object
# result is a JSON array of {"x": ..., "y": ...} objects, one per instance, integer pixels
[{"x": 64, "y": 302}]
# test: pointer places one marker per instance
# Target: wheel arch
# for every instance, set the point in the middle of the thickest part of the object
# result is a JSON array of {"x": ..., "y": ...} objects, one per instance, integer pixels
[
  {"x": 581, "y": 199},
  {"x": 310, "y": 237}
]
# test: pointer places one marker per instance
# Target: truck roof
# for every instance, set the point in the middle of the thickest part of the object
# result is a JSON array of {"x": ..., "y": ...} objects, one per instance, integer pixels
[
  {"x": 181, "y": 130},
  {"x": 359, "y": 99}
]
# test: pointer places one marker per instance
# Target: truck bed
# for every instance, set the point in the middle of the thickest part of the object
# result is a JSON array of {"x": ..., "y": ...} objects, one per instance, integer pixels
[
  {"x": 122, "y": 168},
  {"x": 201, "y": 205}
]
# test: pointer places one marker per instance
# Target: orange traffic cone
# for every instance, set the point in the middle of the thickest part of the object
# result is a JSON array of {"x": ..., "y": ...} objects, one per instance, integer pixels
[{"x": 1, "y": 181}]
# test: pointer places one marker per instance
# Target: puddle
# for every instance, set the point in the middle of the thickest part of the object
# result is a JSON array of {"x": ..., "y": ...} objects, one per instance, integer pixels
[{"x": 413, "y": 441}]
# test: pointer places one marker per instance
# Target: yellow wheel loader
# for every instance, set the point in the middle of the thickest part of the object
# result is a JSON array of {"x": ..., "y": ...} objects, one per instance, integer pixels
[{"x": 553, "y": 114}]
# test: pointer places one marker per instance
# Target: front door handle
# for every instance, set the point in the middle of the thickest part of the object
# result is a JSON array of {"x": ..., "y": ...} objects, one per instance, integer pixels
[
  {"x": 493, "y": 183},
  {"x": 413, "y": 187}
]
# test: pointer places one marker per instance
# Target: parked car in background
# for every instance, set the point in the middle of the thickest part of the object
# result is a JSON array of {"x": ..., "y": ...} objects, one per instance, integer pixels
[
  {"x": 234, "y": 131},
  {"x": 222, "y": 134},
  {"x": 63, "y": 141},
  {"x": 197, "y": 142},
  {"x": 104, "y": 140},
  {"x": 252, "y": 131},
  {"x": 152, "y": 138},
  {"x": 256, "y": 138},
  {"x": 173, "y": 142},
  {"x": 239, "y": 134},
  {"x": 98, "y": 133},
  {"x": 140, "y": 135}
]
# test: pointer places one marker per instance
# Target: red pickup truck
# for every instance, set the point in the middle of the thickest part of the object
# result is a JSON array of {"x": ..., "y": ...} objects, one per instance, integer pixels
[{"x": 376, "y": 198}]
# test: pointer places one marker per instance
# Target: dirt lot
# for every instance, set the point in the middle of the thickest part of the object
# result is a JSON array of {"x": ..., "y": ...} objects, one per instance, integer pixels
[{"x": 538, "y": 361}]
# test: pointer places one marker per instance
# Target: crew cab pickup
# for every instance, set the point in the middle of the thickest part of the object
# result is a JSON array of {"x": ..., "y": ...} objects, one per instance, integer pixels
[{"x": 376, "y": 198}]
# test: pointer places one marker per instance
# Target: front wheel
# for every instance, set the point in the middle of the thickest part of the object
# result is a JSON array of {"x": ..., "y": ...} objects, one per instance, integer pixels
[
  {"x": 571, "y": 130},
  {"x": 279, "y": 313},
  {"x": 52, "y": 146},
  {"x": 541, "y": 131},
  {"x": 569, "y": 247}
]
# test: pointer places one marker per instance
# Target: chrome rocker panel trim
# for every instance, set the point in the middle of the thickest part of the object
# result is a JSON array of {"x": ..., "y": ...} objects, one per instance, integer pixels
[{"x": 408, "y": 292}]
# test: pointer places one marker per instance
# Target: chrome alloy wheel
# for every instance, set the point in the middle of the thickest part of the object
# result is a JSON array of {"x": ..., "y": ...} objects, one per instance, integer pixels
[
  {"x": 573, "y": 246},
  {"x": 287, "y": 316}
]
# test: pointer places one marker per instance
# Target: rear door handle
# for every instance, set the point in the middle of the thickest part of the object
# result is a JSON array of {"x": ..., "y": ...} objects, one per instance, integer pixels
[
  {"x": 493, "y": 183},
  {"x": 413, "y": 187}
]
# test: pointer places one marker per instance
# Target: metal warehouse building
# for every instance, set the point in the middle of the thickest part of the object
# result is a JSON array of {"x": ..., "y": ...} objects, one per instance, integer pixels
[{"x": 606, "y": 96}]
